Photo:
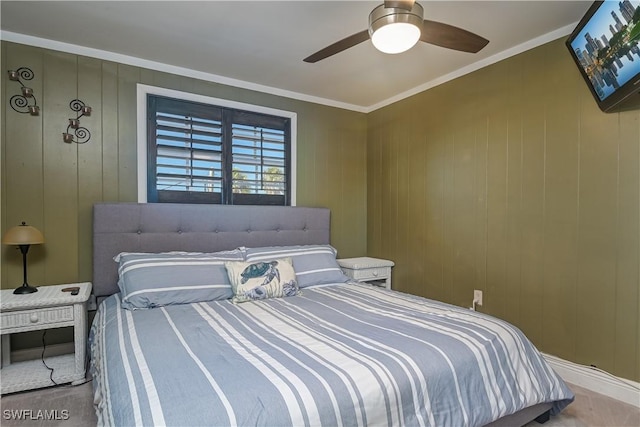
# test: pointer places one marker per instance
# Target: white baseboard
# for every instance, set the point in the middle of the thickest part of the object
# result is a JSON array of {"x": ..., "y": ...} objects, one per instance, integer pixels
[
  {"x": 36, "y": 353},
  {"x": 597, "y": 381}
]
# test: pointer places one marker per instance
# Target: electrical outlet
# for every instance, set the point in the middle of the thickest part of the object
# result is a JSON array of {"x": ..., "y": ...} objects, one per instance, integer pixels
[{"x": 477, "y": 296}]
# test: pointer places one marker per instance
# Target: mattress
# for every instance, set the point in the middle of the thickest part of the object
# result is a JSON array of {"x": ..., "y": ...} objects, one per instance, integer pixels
[{"x": 350, "y": 354}]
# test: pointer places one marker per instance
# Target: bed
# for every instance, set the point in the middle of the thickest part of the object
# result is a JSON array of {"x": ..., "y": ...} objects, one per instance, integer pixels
[{"x": 336, "y": 353}]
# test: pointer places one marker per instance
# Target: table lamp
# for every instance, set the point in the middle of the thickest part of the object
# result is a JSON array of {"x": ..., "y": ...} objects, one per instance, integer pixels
[{"x": 23, "y": 236}]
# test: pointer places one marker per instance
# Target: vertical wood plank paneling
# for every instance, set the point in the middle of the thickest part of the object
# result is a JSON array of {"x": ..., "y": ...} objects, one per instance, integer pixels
[
  {"x": 627, "y": 326},
  {"x": 109, "y": 130},
  {"x": 561, "y": 206},
  {"x": 416, "y": 183},
  {"x": 402, "y": 213},
  {"x": 382, "y": 194},
  {"x": 330, "y": 148},
  {"x": 435, "y": 209},
  {"x": 393, "y": 153},
  {"x": 160, "y": 79},
  {"x": 190, "y": 85},
  {"x": 89, "y": 160},
  {"x": 513, "y": 256},
  {"x": 462, "y": 203},
  {"x": 322, "y": 158},
  {"x": 448, "y": 148},
  {"x": 60, "y": 171},
  {"x": 313, "y": 171},
  {"x": 374, "y": 203},
  {"x": 333, "y": 181},
  {"x": 321, "y": 153},
  {"x": 372, "y": 170},
  {"x": 58, "y": 183},
  {"x": 305, "y": 165},
  {"x": 481, "y": 147},
  {"x": 128, "y": 78},
  {"x": 385, "y": 231},
  {"x": 497, "y": 185},
  {"x": 22, "y": 184},
  {"x": 439, "y": 180},
  {"x": 553, "y": 190},
  {"x": 386, "y": 193},
  {"x": 532, "y": 203},
  {"x": 357, "y": 178},
  {"x": 597, "y": 227},
  {"x": 353, "y": 174}
]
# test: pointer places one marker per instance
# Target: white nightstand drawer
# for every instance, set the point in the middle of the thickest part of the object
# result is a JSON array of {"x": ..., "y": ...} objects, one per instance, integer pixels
[
  {"x": 366, "y": 269},
  {"x": 371, "y": 273},
  {"x": 36, "y": 317}
]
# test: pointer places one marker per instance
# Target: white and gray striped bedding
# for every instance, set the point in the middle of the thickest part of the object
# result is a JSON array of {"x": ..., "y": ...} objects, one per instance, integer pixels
[{"x": 335, "y": 355}]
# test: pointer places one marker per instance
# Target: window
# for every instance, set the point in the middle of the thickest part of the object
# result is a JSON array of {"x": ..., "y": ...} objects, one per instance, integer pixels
[{"x": 202, "y": 153}]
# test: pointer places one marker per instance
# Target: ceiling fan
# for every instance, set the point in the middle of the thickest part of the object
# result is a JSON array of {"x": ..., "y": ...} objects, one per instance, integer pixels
[{"x": 396, "y": 26}]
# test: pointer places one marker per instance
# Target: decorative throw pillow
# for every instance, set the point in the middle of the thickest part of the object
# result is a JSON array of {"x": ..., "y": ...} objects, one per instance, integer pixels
[{"x": 257, "y": 280}]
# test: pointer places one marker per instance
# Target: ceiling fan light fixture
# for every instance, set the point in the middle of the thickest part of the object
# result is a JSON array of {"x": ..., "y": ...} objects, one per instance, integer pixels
[
  {"x": 395, "y": 38},
  {"x": 394, "y": 30}
]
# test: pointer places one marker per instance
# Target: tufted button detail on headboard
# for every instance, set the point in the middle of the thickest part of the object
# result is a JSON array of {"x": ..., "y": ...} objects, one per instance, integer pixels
[
  {"x": 277, "y": 230},
  {"x": 216, "y": 231},
  {"x": 153, "y": 227},
  {"x": 179, "y": 231}
]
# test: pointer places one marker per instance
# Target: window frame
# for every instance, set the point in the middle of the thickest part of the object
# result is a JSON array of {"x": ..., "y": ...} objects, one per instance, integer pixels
[{"x": 142, "y": 162}]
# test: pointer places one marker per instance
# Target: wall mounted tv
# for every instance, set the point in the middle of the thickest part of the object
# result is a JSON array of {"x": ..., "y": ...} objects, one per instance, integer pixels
[{"x": 604, "y": 45}]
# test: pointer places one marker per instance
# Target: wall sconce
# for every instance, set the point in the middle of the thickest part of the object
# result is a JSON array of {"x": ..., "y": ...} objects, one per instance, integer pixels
[
  {"x": 80, "y": 134},
  {"x": 21, "y": 103}
]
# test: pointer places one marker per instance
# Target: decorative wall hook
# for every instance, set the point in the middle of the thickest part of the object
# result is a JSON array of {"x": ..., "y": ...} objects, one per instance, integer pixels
[
  {"x": 21, "y": 103},
  {"x": 80, "y": 134}
]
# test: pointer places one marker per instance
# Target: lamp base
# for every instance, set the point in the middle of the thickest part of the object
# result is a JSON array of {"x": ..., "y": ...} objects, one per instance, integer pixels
[{"x": 25, "y": 289}]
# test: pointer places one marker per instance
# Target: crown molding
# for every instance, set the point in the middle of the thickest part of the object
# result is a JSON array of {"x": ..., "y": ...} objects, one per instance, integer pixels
[
  {"x": 522, "y": 47},
  {"x": 159, "y": 66},
  {"x": 167, "y": 68}
]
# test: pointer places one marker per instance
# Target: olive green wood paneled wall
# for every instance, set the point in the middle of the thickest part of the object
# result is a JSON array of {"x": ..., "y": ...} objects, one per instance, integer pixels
[
  {"x": 53, "y": 185},
  {"x": 510, "y": 180}
]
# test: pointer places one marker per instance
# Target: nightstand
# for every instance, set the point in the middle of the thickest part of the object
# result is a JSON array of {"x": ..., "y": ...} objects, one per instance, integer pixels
[
  {"x": 46, "y": 309},
  {"x": 371, "y": 270}
]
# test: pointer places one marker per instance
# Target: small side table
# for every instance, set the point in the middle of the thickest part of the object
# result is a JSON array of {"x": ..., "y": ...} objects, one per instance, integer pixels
[
  {"x": 46, "y": 309},
  {"x": 371, "y": 270}
]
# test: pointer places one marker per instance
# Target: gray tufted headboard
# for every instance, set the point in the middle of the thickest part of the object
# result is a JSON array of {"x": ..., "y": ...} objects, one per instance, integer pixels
[{"x": 162, "y": 227}]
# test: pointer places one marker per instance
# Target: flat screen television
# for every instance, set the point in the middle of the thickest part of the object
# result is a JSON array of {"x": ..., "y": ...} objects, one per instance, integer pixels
[{"x": 604, "y": 45}]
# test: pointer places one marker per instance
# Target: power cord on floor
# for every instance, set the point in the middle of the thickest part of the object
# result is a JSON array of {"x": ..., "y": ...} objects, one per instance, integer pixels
[
  {"x": 622, "y": 380},
  {"x": 44, "y": 347}
]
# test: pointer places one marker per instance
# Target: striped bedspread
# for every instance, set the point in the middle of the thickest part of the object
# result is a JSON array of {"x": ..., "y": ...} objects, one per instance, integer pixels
[{"x": 338, "y": 355}]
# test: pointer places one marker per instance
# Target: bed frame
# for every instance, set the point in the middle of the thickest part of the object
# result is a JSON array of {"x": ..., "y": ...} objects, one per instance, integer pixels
[{"x": 162, "y": 227}]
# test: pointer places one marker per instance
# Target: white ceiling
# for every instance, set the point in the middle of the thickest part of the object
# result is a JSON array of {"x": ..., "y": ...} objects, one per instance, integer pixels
[{"x": 261, "y": 44}]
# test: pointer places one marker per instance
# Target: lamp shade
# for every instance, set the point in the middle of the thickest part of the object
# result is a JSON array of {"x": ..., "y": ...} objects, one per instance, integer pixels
[{"x": 23, "y": 235}]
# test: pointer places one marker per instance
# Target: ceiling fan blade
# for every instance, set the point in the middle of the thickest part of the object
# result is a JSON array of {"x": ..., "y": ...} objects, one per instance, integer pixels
[
  {"x": 451, "y": 37},
  {"x": 339, "y": 46},
  {"x": 399, "y": 4}
]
